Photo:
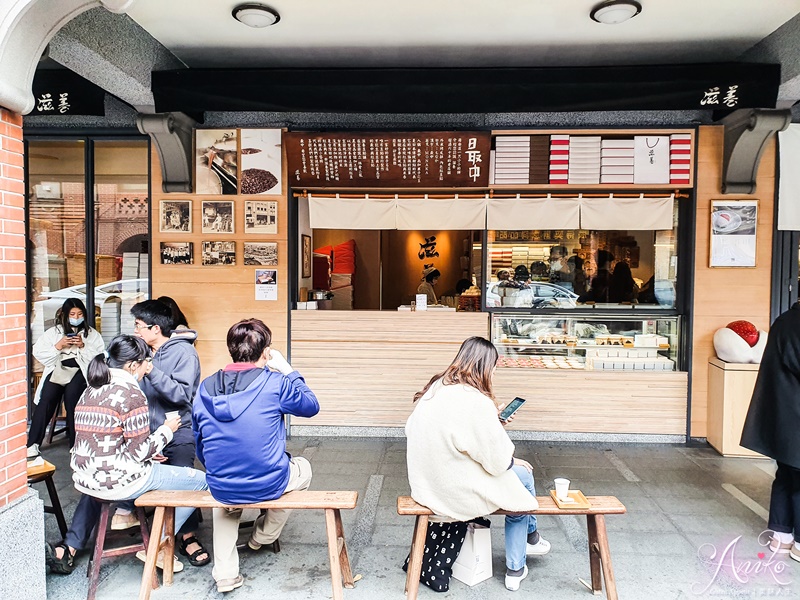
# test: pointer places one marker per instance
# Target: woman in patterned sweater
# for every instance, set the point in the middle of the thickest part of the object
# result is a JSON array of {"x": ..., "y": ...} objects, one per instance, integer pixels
[{"x": 115, "y": 456}]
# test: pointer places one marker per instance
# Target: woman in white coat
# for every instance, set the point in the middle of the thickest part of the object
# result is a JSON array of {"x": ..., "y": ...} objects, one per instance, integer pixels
[
  {"x": 65, "y": 350},
  {"x": 461, "y": 461}
]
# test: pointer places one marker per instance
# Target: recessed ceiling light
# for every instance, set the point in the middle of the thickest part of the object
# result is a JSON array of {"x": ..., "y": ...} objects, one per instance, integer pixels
[
  {"x": 612, "y": 12},
  {"x": 255, "y": 15}
]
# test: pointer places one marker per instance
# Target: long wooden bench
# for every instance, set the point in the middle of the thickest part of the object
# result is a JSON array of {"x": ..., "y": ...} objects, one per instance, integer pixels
[
  {"x": 599, "y": 553},
  {"x": 165, "y": 502}
]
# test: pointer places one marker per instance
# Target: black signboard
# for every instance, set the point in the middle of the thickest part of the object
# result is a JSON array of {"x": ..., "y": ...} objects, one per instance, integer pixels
[
  {"x": 724, "y": 86},
  {"x": 62, "y": 92},
  {"x": 421, "y": 159}
]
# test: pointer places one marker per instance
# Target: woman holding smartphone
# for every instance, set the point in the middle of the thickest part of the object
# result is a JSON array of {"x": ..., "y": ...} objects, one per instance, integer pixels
[
  {"x": 461, "y": 461},
  {"x": 65, "y": 350}
]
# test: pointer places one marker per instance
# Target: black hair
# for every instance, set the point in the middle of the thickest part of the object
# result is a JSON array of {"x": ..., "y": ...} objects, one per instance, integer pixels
[
  {"x": 604, "y": 259},
  {"x": 178, "y": 318},
  {"x": 121, "y": 350},
  {"x": 62, "y": 316},
  {"x": 432, "y": 275},
  {"x": 462, "y": 285},
  {"x": 576, "y": 261},
  {"x": 562, "y": 250},
  {"x": 153, "y": 312},
  {"x": 521, "y": 272},
  {"x": 247, "y": 340}
]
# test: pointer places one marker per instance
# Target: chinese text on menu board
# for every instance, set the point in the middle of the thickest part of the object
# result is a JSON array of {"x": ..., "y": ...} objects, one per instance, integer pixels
[{"x": 433, "y": 159}]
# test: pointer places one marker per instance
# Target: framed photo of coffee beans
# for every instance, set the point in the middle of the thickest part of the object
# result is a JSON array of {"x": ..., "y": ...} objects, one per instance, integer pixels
[{"x": 261, "y": 162}]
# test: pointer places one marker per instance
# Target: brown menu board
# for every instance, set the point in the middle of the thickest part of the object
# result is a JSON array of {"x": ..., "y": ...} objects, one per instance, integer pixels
[{"x": 403, "y": 159}]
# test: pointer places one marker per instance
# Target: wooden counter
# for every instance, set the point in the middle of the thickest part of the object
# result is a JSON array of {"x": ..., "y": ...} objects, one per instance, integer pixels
[
  {"x": 365, "y": 366},
  {"x": 596, "y": 401}
]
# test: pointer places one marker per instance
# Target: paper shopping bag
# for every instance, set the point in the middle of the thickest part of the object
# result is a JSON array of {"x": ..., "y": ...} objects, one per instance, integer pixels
[{"x": 474, "y": 562}]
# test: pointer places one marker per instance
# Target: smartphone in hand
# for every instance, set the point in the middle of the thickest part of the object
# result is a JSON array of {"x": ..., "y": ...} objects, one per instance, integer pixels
[{"x": 512, "y": 407}]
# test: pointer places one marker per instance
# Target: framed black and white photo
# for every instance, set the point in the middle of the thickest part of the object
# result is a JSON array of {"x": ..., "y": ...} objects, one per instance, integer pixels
[
  {"x": 733, "y": 233},
  {"x": 261, "y": 161},
  {"x": 216, "y": 161},
  {"x": 217, "y": 216},
  {"x": 219, "y": 253},
  {"x": 261, "y": 217},
  {"x": 306, "y": 256},
  {"x": 177, "y": 253},
  {"x": 263, "y": 254},
  {"x": 175, "y": 216}
]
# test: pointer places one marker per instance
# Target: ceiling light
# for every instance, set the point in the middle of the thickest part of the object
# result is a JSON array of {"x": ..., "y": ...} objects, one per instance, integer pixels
[
  {"x": 255, "y": 15},
  {"x": 612, "y": 12}
]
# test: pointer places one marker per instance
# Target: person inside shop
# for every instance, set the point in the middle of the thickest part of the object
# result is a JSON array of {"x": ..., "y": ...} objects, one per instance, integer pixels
[
  {"x": 65, "y": 350},
  {"x": 115, "y": 458},
  {"x": 575, "y": 266},
  {"x": 493, "y": 298},
  {"x": 771, "y": 426},
  {"x": 522, "y": 276},
  {"x": 540, "y": 271},
  {"x": 461, "y": 462},
  {"x": 600, "y": 282},
  {"x": 622, "y": 287},
  {"x": 559, "y": 273},
  {"x": 170, "y": 382},
  {"x": 238, "y": 424},
  {"x": 430, "y": 277}
]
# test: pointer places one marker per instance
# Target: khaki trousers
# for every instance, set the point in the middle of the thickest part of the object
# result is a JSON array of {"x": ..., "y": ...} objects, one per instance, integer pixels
[{"x": 267, "y": 529}]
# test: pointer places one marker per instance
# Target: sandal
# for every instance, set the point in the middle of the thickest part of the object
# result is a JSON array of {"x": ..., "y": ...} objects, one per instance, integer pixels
[
  {"x": 59, "y": 566},
  {"x": 193, "y": 560}
]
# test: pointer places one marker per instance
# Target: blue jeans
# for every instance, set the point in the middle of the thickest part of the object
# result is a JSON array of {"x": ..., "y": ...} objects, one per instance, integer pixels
[
  {"x": 519, "y": 526},
  {"x": 162, "y": 477}
]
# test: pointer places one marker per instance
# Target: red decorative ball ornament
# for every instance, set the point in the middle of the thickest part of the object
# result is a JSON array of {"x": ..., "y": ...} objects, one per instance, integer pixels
[{"x": 746, "y": 330}]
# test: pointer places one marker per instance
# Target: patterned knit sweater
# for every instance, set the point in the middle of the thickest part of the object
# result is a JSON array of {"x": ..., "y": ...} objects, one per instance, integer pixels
[{"x": 113, "y": 451}]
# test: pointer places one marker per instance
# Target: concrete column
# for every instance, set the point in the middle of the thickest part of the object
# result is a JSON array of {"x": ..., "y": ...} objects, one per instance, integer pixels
[{"x": 21, "y": 522}]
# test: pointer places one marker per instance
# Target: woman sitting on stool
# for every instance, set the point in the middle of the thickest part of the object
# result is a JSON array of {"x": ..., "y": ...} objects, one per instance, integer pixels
[
  {"x": 114, "y": 449},
  {"x": 461, "y": 461},
  {"x": 65, "y": 351}
]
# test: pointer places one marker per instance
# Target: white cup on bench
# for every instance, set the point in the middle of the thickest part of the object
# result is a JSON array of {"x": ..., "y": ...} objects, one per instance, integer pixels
[{"x": 562, "y": 488}]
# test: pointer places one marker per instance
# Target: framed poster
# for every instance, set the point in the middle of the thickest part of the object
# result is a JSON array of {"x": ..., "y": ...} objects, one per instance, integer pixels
[
  {"x": 217, "y": 216},
  {"x": 264, "y": 254},
  {"x": 306, "y": 256},
  {"x": 261, "y": 161},
  {"x": 733, "y": 233},
  {"x": 216, "y": 161},
  {"x": 266, "y": 284},
  {"x": 176, "y": 253},
  {"x": 175, "y": 217},
  {"x": 260, "y": 217},
  {"x": 219, "y": 253}
]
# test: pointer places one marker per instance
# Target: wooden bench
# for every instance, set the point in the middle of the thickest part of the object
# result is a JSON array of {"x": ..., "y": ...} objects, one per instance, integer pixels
[
  {"x": 599, "y": 553},
  {"x": 165, "y": 502}
]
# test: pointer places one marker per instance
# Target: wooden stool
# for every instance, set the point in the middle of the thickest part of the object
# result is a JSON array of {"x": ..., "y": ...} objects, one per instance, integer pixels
[
  {"x": 53, "y": 422},
  {"x": 93, "y": 570},
  {"x": 45, "y": 473}
]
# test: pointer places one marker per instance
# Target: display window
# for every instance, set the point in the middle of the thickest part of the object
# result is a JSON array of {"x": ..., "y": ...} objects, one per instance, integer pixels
[{"x": 582, "y": 268}]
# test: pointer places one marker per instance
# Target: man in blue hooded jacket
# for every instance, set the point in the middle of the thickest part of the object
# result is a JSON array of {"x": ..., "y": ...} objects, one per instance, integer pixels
[{"x": 241, "y": 439}]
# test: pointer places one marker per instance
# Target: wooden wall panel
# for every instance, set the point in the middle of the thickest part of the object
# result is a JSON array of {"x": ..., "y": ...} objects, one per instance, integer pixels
[
  {"x": 722, "y": 295},
  {"x": 596, "y": 401},
  {"x": 215, "y": 297},
  {"x": 366, "y": 366}
]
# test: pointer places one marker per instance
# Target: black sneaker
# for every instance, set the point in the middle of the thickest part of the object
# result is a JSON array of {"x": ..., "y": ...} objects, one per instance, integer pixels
[{"x": 59, "y": 566}]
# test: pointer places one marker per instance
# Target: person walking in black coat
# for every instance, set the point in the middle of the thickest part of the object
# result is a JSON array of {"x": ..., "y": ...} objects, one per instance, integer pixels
[{"x": 772, "y": 427}]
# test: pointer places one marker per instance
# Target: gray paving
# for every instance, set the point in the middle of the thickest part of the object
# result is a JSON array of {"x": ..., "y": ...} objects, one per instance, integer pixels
[{"x": 680, "y": 516}]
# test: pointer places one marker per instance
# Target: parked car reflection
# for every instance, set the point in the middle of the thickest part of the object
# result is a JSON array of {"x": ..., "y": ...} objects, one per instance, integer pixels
[{"x": 533, "y": 295}]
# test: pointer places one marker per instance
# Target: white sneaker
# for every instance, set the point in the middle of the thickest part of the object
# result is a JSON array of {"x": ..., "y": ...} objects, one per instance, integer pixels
[
  {"x": 121, "y": 521},
  {"x": 540, "y": 548},
  {"x": 33, "y": 451},
  {"x": 512, "y": 582}
]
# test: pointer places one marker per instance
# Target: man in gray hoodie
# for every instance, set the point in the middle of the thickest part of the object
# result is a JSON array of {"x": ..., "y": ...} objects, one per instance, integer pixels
[{"x": 170, "y": 384}]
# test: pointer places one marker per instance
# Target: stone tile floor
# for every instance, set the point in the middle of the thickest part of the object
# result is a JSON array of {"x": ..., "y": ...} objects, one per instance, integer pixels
[{"x": 684, "y": 504}]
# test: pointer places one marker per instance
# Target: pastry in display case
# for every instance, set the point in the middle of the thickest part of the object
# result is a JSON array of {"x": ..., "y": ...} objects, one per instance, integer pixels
[{"x": 592, "y": 343}]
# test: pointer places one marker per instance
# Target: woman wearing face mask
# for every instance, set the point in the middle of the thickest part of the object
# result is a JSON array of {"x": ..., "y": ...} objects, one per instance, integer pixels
[
  {"x": 65, "y": 351},
  {"x": 114, "y": 454}
]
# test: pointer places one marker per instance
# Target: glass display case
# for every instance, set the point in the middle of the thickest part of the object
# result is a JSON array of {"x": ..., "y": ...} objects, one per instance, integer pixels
[{"x": 586, "y": 342}]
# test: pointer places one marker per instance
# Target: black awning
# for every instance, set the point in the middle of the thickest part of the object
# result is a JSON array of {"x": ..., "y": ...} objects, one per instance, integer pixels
[{"x": 727, "y": 86}]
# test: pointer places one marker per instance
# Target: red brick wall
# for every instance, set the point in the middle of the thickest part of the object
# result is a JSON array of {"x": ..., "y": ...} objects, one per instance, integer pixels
[{"x": 13, "y": 375}]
